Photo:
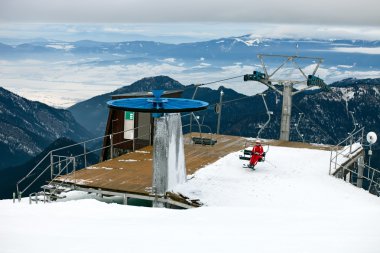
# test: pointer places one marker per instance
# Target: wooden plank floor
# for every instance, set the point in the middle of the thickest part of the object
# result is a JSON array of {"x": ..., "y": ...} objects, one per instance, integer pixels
[{"x": 132, "y": 172}]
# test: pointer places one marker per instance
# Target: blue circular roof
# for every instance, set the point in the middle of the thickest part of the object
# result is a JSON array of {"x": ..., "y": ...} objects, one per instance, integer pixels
[{"x": 157, "y": 104}]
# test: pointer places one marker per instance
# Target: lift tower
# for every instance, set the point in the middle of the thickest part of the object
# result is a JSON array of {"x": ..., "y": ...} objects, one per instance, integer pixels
[{"x": 287, "y": 92}]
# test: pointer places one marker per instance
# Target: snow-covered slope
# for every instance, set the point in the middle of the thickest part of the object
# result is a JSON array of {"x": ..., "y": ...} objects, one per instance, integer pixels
[{"x": 289, "y": 204}]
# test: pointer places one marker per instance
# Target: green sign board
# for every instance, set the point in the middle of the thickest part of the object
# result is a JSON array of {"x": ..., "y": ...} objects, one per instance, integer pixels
[{"x": 129, "y": 115}]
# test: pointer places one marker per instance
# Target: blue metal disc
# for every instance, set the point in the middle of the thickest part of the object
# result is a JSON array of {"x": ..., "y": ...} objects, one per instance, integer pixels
[{"x": 157, "y": 104}]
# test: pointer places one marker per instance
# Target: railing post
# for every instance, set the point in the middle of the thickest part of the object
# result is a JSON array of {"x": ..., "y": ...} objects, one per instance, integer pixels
[
  {"x": 219, "y": 111},
  {"x": 30, "y": 199},
  {"x": 373, "y": 173},
  {"x": 74, "y": 166},
  {"x": 85, "y": 154},
  {"x": 330, "y": 162},
  {"x": 14, "y": 197},
  {"x": 19, "y": 196},
  {"x": 351, "y": 143},
  {"x": 359, "y": 180},
  {"x": 51, "y": 165},
  {"x": 59, "y": 165},
  {"x": 111, "y": 146}
]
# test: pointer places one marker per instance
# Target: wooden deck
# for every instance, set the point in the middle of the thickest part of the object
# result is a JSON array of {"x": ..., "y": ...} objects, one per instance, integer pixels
[{"x": 132, "y": 173}]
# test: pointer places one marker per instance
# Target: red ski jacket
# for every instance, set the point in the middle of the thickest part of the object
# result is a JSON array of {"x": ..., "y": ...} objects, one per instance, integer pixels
[{"x": 258, "y": 150}]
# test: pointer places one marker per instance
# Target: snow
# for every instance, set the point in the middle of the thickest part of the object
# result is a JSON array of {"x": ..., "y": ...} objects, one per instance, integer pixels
[
  {"x": 61, "y": 46},
  {"x": 288, "y": 204},
  {"x": 127, "y": 160}
]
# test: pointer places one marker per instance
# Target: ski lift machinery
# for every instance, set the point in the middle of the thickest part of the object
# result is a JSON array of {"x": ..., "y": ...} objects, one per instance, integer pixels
[{"x": 268, "y": 79}]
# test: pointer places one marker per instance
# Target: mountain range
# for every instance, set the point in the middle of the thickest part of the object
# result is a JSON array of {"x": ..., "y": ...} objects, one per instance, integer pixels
[
  {"x": 28, "y": 127},
  {"x": 359, "y": 54},
  {"x": 327, "y": 117}
]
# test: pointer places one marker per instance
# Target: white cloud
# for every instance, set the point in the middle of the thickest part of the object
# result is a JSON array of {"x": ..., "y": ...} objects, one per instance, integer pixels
[
  {"x": 168, "y": 60},
  {"x": 360, "y": 50},
  {"x": 62, "y": 84}
]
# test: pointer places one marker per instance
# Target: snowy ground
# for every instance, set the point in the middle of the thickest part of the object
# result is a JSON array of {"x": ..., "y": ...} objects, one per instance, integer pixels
[{"x": 289, "y": 204}]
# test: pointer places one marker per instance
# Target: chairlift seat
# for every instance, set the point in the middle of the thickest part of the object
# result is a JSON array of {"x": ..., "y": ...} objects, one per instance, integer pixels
[{"x": 204, "y": 141}]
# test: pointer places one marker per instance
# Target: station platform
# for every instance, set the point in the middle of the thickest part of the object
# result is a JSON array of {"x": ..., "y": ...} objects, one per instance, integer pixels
[{"x": 131, "y": 174}]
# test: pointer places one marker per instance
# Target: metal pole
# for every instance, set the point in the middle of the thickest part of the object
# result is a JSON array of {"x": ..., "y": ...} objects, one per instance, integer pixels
[
  {"x": 59, "y": 165},
  {"x": 359, "y": 182},
  {"x": 85, "y": 154},
  {"x": 111, "y": 146},
  {"x": 191, "y": 115},
  {"x": 14, "y": 197},
  {"x": 351, "y": 143},
  {"x": 286, "y": 111},
  {"x": 220, "y": 111},
  {"x": 74, "y": 165},
  {"x": 268, "y": 113},
  {"x": 51, "y": 165}
]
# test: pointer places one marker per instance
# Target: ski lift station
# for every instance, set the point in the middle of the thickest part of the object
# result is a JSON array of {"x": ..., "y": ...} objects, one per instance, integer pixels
[
  {"x": 145, "y": 155},
  {"x": 304, "y": 197}
]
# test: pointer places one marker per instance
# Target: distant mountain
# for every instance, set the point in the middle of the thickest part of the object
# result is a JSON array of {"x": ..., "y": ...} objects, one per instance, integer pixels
[
  {"x": 11, "y": 175},
  {"x": 92, "y": 113},
  {"x": 28, "y": 127},
  {"x": 224, "y": 51},
  {"x": 326, "y": 117}
]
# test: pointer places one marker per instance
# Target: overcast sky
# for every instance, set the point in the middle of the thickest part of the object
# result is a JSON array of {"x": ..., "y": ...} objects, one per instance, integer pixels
[
  {"x": 184, "y": 21},
  {"x": 334, "y": 12}
]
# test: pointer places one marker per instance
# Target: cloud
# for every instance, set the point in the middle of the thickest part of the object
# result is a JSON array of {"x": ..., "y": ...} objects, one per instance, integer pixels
[
  {"x": 360, "y": 50},
  {"x": 363, "y": 12},
  {"x": 64, "y": 83}
]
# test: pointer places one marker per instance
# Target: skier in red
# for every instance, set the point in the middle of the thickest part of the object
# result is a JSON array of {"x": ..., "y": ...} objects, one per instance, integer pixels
[{"x": 257, "y": 154}]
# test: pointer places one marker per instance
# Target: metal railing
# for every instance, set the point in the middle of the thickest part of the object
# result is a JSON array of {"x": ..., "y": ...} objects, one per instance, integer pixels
[
  {"x": 345, "y": 149},
  {"x": 53, "y": 160},
  {"x": 372, "y": 177},
  {"x": 57, "y": 163}
]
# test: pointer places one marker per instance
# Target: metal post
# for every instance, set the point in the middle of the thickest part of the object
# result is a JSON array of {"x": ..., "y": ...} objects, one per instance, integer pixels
[
  {"x": 19, "y": 196},
  {"x": 14, "y": 197},
  {"x": 330, "y": 162},
  {"x": 125, "y": 199},
  {"x": 191, "y": 115},
  {"x": 359, "y": 182},
  {"x": 59, "y": 165},
  {"x": 85, "y": 154},
  {"x": 74, "y": 167},
  {"x": 268, "y": 113},
  {"x": 286, "y": 111},
  {"x": 370, "y": 184},
  {"x": 30, "y": 199},
  {"x": 111, "y": 146},
  {"x": 351, "y": 143},
  {"x": 220, "y": 111},
  {"x": 51, "y": 165},
  {"x": 36, "y": 198}
]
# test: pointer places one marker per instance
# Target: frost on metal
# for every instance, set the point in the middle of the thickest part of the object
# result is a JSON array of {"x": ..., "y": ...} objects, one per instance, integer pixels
[{"x": 168, "y": 155}]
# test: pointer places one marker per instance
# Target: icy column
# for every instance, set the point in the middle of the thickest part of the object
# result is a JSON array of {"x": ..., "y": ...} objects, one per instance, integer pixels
[{"x": 168, "y": 155}]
